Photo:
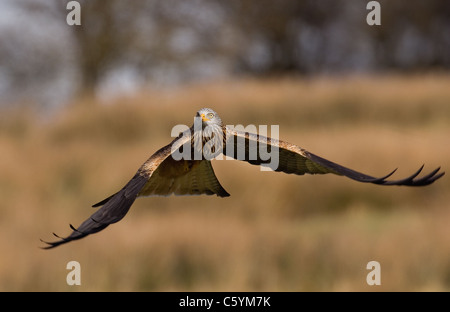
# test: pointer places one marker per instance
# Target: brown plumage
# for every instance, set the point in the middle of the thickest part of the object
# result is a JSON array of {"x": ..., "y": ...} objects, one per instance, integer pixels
[{"x": 165, "y": 174}]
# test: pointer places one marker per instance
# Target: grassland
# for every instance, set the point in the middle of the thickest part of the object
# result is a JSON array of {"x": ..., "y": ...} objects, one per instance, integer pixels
[{"x": 276, "y": 232}]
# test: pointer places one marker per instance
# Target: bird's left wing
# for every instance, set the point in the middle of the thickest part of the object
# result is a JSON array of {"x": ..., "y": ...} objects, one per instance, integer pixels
[{"x": 290, "y": 158}]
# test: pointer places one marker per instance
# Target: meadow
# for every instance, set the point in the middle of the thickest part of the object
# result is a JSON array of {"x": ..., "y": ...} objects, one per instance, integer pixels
[{"x": 276, "y": 232}]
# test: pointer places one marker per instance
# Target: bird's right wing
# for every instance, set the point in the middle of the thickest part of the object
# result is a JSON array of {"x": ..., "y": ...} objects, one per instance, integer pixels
[
  {"x": 116, "y": 206},
  {"x": 161, "y": 174}
]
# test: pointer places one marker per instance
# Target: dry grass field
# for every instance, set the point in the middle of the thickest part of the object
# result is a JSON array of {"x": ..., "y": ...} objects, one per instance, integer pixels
[{"x": 276, "y": 232}]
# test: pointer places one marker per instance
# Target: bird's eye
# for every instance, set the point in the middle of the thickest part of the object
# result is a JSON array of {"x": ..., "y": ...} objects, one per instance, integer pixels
[{"x": 210, "y": 115}]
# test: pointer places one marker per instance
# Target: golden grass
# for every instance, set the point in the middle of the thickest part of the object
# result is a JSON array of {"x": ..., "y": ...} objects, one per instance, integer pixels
[{"x": 276, "y": 232}]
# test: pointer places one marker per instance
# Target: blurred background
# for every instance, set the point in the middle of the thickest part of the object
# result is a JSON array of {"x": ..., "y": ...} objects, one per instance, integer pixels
[{"x": 82, "y": 107}]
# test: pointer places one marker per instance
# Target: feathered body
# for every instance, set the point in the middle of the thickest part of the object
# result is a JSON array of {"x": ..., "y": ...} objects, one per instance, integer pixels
[{"x": 166, "y": 173}]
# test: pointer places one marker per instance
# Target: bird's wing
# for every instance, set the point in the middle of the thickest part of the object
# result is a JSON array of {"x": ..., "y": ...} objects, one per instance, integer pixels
[
  {"x": 259, "y": 150},
  {"x": 159, "y": 175}
]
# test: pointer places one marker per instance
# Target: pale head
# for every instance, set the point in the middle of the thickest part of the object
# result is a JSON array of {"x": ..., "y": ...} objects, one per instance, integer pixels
[{"x": 209, "y": 117}]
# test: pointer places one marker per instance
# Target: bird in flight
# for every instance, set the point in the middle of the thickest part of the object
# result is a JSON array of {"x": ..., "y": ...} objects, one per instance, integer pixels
[{"x": 183, "y": 167}]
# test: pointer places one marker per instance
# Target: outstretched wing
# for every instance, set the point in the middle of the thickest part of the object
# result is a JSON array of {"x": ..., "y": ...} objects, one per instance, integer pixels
[
  {"x": 112, "y": 211},
  {"x": 290, "y": 158},
  {"x": 159, "y": 175}
]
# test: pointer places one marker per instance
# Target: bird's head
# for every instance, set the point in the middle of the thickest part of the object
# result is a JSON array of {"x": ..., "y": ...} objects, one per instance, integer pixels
[{"x": 209, "y": 117}]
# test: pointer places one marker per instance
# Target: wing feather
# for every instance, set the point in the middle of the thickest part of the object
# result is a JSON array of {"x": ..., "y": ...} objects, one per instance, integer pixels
[
  {"x": 114, "y": 209},
  {"x": 159, "y": 175},
  {"x": 296, "y": 160}
]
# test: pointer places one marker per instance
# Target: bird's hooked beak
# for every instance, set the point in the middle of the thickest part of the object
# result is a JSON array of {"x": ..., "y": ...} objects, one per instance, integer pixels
[{"x": 204, "y": 117}]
